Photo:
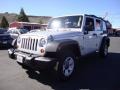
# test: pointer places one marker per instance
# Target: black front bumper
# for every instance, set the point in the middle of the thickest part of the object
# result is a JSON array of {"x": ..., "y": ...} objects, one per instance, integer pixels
[{"x": 31, "y": 60}]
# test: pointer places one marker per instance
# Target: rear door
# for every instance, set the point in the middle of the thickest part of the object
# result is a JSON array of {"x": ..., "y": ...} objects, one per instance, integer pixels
[{"x": 99, "y": 31}]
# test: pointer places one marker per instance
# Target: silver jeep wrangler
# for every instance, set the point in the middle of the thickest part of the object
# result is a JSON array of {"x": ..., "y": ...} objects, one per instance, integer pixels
[{"x": 66, "y": 39}]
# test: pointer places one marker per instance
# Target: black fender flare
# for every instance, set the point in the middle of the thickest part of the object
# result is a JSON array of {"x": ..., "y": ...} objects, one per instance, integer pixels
[
  {"x": 106, "y": 40},
  {"x": 58, "y": 45}
]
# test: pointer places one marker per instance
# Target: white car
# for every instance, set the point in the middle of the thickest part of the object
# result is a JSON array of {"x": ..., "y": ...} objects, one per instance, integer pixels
[
  {"x": 66, "y": 39},
  {"x": 14, "y": 33}
]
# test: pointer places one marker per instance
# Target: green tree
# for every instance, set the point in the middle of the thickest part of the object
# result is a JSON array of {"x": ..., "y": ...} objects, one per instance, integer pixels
[
  {"x": 22, "y": 17},
  {"x": 41, "y": 21},
  {"x": 4, "y": 23}
]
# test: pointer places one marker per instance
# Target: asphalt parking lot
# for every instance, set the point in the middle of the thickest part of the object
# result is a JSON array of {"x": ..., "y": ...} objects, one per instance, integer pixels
[{"x": 93, "y": 73}]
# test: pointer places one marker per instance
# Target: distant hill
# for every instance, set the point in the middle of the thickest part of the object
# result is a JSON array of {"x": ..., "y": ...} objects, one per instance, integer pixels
[{"x": 11, "y": 17}]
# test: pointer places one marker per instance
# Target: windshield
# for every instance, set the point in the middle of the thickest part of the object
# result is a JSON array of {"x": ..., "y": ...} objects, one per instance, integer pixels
[
  {"x": 35, "y": 30},
  {"x": 9, "y": 31},
  {"x": 22, "y": 31},
  {"x": 17, "y": 31},
  {"x": 66, "y": 22}
]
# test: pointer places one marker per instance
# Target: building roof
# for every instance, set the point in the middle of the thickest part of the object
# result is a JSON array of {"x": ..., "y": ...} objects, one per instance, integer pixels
[{"x": 24, "y": 22}]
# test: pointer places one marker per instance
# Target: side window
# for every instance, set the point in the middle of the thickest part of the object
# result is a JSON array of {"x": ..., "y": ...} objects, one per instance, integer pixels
[
  {"x": 98, "y": 25},
  {"x": 104, "y": 26},
  {"x": 89, "y": 24}
]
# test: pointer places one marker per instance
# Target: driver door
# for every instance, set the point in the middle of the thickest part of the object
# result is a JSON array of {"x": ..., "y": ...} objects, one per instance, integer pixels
[{"x": 89, "y": 36}]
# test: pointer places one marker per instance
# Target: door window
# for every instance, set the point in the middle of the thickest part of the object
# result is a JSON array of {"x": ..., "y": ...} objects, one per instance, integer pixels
[
  {"x": 89, "y": 24},
  {"x": 98, "y": 25}
]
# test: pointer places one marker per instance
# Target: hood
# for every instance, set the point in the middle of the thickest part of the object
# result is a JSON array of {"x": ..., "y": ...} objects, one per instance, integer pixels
[{"x": 54, "y": 33}]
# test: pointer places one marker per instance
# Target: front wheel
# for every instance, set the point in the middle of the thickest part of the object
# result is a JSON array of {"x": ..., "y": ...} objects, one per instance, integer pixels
[{"x": 66, "y": 65}]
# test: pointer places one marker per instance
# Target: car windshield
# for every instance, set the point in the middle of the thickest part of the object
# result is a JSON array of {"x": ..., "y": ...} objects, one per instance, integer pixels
[
  {"x": 66, "y": 22},
  {"x": 22, "y": 31},
  {"x": 9, "y": 31},
  {"x": 34, "y": 30},
  {"x": 17, "y": 31}
]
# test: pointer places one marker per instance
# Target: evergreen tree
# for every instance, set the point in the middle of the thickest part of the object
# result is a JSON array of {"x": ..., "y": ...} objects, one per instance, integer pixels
[
  {"x": 41, "y": 21},
  {"x": 22, "y": 17},
  {"x": 4, "y": 23}
]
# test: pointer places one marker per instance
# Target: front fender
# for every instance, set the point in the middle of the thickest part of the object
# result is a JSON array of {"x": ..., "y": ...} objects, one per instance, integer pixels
[{"x": 57, "y": 45}]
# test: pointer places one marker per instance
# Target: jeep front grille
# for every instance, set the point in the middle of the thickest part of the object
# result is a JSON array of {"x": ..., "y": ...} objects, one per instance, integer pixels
[{"x": 29, "y": 44}]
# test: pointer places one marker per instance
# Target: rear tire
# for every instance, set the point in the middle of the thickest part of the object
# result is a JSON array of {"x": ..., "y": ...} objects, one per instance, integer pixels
[{"x": 103, "y": 52}]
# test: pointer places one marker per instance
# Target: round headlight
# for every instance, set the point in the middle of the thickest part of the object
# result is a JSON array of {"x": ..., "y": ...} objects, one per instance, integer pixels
[{"x": 42, "y": 42}]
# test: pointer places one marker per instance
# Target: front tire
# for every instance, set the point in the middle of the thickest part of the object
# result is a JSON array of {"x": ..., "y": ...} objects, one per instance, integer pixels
[{"x": 66, "y": 65}]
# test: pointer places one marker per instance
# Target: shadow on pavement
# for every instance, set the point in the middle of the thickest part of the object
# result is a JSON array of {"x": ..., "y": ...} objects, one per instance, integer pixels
[
  {"x": 93, "y": 73},
  {"x": 4, "y": 47}
]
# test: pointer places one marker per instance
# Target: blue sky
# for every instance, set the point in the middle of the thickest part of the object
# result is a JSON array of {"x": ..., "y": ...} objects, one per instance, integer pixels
[{"x": 65, "y": 7}]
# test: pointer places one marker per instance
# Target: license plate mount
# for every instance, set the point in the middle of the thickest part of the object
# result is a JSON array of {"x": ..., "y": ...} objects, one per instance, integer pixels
[{"x": 19, "y": 59}]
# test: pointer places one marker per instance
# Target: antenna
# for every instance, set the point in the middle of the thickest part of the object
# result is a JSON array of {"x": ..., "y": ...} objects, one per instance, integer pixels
[{"x": 106, "y": 14}]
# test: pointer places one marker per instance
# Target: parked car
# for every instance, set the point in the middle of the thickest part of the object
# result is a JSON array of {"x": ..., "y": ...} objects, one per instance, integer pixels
[
  {"x": 117, "y": 33},
  {"x": 14, "y": 33},
  {"x": 35, "y": 30},
  {"x": 5, "y": 38},
  {"x": 66, "y": 39}
]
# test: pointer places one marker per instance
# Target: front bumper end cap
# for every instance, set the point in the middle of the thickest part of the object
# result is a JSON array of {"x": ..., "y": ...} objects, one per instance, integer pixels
[{"x": 11, "y": 53}]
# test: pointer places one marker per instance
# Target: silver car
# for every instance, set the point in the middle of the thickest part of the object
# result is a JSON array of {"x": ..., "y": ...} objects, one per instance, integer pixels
[{"x": 14, "y": 33}]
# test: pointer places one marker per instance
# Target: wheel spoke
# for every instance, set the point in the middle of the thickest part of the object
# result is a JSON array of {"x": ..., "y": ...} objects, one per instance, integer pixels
[
  {"x": 66, "y": 72},
  {"x": 71, "y": 68}
]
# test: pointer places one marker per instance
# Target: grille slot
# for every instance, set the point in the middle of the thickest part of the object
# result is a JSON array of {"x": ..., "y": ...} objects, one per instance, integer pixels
[{"x": 29, "y": 44}]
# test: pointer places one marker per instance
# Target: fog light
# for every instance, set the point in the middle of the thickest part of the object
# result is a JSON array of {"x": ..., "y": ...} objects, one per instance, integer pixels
[{"x": 42, "y": 51}]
